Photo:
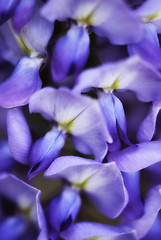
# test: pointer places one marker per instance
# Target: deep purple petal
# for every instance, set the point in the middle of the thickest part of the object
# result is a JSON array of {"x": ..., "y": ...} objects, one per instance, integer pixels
[
  {"x": 70, "y": 53},
  {"x": 6, "y": 160},
  {"x": 6, "y": 9},
  {"x": 137, "y": 157},
  {"x": 22, "y": 14},
  {"x": 44, "y": 151},
  {"x": 148, "y": 48},
  {"x": 151, "y": 209},
  {"x": 63, "y": 210},
  {"x": 22, "y": 83},
  {"x": 147, "y": 127},
  {"x": 74, "y": 114},
  {"x": 134, "y": 208},
  {"x": 89, "y": 230},
  {"x": 19, "y": 136}
]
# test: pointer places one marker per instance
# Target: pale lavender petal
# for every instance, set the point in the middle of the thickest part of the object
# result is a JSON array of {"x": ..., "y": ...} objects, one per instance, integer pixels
[
  {"x": 91, "y": 230},
  {"x": 133, "y": 74},
  {"x": 58, "y": 9},
  {"x": 151, "y": 208},
  {"x": 70, "y": 53},
  {"x": 44, "y": 151},
  {"x": 97, "y": 180},
  {"x": 19, "y": 136},
  {"x": 124, "y": 25},
  {"x": 91, "y": 132},
  {"x": 62, "y": 210},
  {"x": 147, "y": 127},
  {"x": 22, "y": 14},
  {"x": 22, "y": 83},
  {"x": 148, "y": 48},
  {"x": 137, "y": 157},
  {"x": 36, "y": 33}
]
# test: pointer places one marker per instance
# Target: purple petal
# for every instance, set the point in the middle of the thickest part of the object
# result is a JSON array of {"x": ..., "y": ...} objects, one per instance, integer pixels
[
  {"x": 97, "y": 180},
  {"x": 25, "y": 196},
  {"x": 74, "y": 114},
  {"x": 19, "y": 136},
  {"x": 6, "y": 160},
  {"x": 148, "y": 48},
  {"x": 58, "y": 9},
  {"x": 133, "y": 74},
  {"x": 63, "y": 210},
  {"x": 98, "y": 231},
  {"x": 7, "y": 9},
  {"x": 151, "y": 209},
  {"x": 44, "y": 151},
  {"x": 9, "y": 48},
  {"x": 124, "y": 25},
  {"x": 22, "y": 14},
  {"x": 147, "y": 127},
  {"x": 36, "y": 33},
  {"x": 134, "y": 208},
  {"x": 70, "y": 53},
  {"x": 137, "y": 157},
  {"x": 22, "y": 83}
]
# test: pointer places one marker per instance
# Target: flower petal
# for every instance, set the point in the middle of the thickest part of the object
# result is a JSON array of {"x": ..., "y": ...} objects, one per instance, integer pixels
[
  {"x": 25, "y": 196},
  {"x": 98, "y": 231},
  {"x": 148, "y": 48},
  {"x": 137, "y": 157},
  {"x": 151, "y": 209},
  {"x": 22, "y": 83},
  {"x": 7, "y": 9},
  {"x": 44, "y": 151},
  {"x": 22, "y": 14},
  {"x": 147, "y": 127},
  {"x": 19, "y": 136},
  {"x": 63, "y": 210},
  {"x": 70, "y": 53},
  {"x": 133, "y": 74},
  {"x": 95, "y": 179}
]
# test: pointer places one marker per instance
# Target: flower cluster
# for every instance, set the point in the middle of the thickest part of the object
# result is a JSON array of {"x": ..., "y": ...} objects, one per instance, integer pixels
[{"x": 80, "y": 135}]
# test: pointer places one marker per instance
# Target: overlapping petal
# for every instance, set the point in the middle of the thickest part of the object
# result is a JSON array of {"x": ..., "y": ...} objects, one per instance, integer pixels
[
  {"x": 21, "y": 84},
  {"x": 98, "y": 14},
  {"x": 102, "y": 183},
  {"x": 148, "y": 48},
  {"x": 89, "y": 231},
  {"x": 71, "y": 111},
  {"x": 133, "y": 74},
  {"x": 22, "y": 14},
  {"x": 44, "y": 151},
  {"x": 62, "y": 211},
  {"x": 19, "y": 136},
  {"x": 137, "y": 157},
  {"x": 151, "y": 209},
  {"x": 25, "y": 196},
  {"x": 70, "y": 53},
  {"x": 147, "y": 127}
]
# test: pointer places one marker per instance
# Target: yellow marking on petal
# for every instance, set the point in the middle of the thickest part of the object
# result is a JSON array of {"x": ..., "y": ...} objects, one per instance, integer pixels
[
  {"x": 113, "y": 86},
  {"x": 67, "y": 126},
  {"x": 82, "y": 185},
  {"x": 151, "y": 17}
]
